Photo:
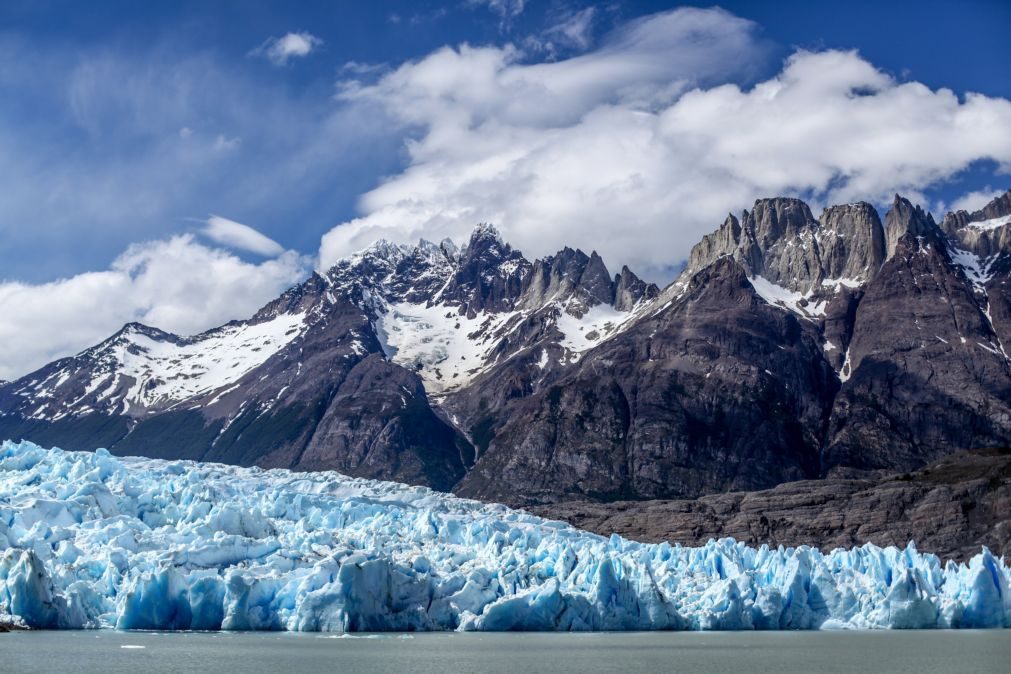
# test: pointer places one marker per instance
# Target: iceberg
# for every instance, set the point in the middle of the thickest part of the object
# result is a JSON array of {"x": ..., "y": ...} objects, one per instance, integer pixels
[{"x": 89, "y": 540}]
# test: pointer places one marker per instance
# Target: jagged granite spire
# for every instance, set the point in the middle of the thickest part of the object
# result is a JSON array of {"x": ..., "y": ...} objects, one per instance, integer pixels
[
  {"x": 905, "y": 218},
  {"x": 851, "y": 241},
  {"x": 489, "y": 274},
  {"x": 780, "y": 240}
]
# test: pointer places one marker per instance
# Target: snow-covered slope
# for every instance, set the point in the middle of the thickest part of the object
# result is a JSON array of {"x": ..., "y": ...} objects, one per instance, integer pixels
[
  {"x": 142, "y": 367},
  {"x": 447, "y": 349},
  {"x": 93, "y": 541},
  {"x": 173, "y": 371},
  {"x": 452, "y": 314}
]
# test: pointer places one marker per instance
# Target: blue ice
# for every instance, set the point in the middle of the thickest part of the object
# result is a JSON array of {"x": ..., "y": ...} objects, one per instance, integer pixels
[{"x": 88, "y": 540}]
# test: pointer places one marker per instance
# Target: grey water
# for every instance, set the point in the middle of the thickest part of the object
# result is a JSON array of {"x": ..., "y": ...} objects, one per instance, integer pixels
[{"x": 562, "y": 653}]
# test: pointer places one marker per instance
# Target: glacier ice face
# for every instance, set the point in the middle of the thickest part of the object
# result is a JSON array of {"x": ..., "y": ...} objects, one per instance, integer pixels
[{"x": 90, "y": 540}]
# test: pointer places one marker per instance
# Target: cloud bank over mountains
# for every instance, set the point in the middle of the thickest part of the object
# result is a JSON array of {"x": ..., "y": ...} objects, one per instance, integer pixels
[
  {"x": 639, "y": 147},
  {"x": 635, "y": 147}
]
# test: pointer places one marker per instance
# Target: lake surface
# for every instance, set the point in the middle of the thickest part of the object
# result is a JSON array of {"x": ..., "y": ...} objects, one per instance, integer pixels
[{"x": 564, "y": 653}]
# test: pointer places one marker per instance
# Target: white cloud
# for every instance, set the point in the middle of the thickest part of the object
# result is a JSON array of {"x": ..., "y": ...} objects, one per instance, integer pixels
[
  {"x": 357, "y": 68},
  {"x": 575, "y": 30},
  {"x": 176, "y": 284},
  {"x": 279, "y": 50},
  {"x": 637, "y": 148},
  {"x": 506, "y": 9},
  {"x": 972, "y": 201},
  {"x": 237, "y": 235},
  {"x": 224, "y": 144}
]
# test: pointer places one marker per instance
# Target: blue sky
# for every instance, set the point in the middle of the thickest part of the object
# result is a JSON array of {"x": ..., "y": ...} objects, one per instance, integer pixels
[{"x": 251, "y": 141}]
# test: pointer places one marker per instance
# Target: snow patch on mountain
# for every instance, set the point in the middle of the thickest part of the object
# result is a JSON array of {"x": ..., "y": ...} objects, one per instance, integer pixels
[
  {"x": 447, "y": 349},
  {"x": 837, "y": 283},
  {"x": 975, "y": 268},
  {"x": 993, "y": 223},
  {"x": 581, "y": 333},
  {"x": 167, "y": 372},
  {"x": 790, "y": 300},
  {"x": 144, "y": 367}
]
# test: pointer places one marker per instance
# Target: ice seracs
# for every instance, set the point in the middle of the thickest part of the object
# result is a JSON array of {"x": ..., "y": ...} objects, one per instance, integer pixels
[{"x": 91, "y": 540}]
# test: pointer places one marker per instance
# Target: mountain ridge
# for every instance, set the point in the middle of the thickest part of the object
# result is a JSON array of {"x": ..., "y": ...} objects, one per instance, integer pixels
[{"x": 790, "y": 347}]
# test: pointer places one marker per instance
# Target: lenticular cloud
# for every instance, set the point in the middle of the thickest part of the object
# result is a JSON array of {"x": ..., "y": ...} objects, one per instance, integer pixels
[{"x": 90, "y": 540}]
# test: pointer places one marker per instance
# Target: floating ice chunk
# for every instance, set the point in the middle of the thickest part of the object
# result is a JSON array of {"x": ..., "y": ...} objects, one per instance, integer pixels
[{"x": 89, "y": 540}]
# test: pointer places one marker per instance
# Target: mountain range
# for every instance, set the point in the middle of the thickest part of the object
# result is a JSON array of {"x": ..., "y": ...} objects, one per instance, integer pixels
[{"x": 843, "y": 351}]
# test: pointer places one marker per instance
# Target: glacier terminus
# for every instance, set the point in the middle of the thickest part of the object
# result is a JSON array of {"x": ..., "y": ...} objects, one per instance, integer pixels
[{"x": 91, "y": 540}]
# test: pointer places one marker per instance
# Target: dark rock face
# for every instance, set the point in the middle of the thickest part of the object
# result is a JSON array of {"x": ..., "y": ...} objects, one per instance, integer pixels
[
  {"x": 791, "y": 348},
  {"x": 674, "y": 405},
  {"x": 951, "y": 508},
  {"x": 378, "y": 410},
  {"x": 489, "y": 275},
  {"x": 925, "y": 372}
]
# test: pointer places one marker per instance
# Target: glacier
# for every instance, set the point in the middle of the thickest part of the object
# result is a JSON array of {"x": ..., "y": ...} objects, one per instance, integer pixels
[{"x": 89, "y": 540}]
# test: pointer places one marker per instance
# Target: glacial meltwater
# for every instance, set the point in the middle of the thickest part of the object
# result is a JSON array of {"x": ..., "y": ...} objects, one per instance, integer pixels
[{"x": 109, "y": 651}]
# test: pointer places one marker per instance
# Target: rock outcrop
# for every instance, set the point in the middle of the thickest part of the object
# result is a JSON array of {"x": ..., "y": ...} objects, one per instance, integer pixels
[{"x": 950, "y": 507}]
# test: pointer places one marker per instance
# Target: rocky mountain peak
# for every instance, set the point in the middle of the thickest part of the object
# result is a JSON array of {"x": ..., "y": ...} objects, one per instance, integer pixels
[
  {"x": 450, "y": 249},
  {"x": 489, "y": 274},
  {"x": 630, "y": 290},
  {"x": 984, "y": 233},
  {"x": 999, "y": 207},
  {"x": 384, "y": 250},
  {"x": 133, "y": 329},
  {"x": 577, "y": 282},
  {"x": 727, "y": 240},
  {"x": 569, "y": 278},
  {"x": 368, "y": 267},
  {"x": 596, "y": 280},
  {"x": 778, "y": 219},
  {"x": 852, "y": 241},
  {"x": 298, "y": 298},
  {"x": 484, "y": 237},
  {"x": 905, "y": 218},
  {"x": 780, "y": 241}
]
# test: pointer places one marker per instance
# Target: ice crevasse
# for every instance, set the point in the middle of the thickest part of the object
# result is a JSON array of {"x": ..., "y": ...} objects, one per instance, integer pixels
[{"x": 88, "y": 540}]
